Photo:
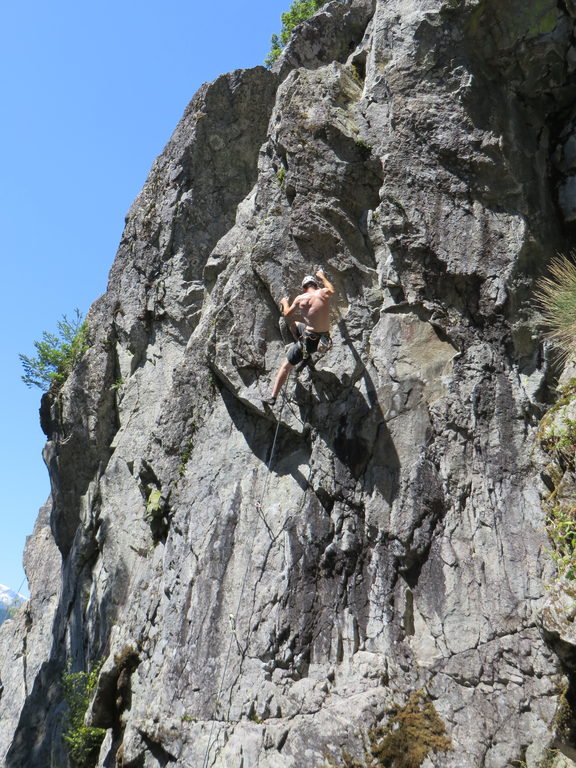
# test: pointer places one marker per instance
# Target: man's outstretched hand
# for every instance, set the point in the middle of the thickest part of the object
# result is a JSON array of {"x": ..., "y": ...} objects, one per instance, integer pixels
[{"x": 327, "y": 284}]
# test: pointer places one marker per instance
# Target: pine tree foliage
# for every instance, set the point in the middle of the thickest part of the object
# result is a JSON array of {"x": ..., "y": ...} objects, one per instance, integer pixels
[
  {"x": 299, "y": 11},
  {"x": 57, "y": 353}
]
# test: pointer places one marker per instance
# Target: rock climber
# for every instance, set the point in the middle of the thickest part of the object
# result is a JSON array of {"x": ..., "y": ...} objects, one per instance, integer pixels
[{"x": 314, "y": 307}]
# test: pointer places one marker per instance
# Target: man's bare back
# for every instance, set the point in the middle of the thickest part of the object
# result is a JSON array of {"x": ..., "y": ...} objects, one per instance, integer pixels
[{"x": 314, "y": 307}]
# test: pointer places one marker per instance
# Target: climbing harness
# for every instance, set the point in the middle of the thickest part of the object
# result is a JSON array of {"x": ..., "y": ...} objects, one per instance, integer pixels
[{"x": 309, "y": 343}]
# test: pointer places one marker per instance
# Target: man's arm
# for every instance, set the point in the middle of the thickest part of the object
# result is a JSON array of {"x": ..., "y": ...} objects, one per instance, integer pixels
[
  {"x": 286, "y": 308},
  {"x": 327, "y": 284}
]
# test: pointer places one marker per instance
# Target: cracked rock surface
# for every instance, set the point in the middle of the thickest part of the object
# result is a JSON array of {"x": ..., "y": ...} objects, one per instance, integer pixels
[{"x": 263, "y": 586}]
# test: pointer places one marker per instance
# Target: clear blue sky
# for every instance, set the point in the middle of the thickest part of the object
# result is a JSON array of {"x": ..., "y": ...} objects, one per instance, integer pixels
[{"x": 90, "y": 94}]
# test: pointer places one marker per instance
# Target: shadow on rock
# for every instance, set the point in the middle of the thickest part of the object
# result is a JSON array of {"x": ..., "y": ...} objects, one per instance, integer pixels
[
  {"x": 352, "y": 424},
  {"x": 259, "y": 433}
]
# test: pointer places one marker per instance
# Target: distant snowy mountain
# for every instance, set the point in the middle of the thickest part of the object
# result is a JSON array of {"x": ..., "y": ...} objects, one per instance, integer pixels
[{"x": 8, "y": 601}]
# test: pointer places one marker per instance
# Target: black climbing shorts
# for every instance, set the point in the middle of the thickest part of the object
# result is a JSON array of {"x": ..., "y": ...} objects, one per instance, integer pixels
[{"x": 307, "y": 340}]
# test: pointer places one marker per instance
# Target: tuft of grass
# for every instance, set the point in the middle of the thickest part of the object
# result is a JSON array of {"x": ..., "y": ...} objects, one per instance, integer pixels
[
  {"x": 364, "y": 148},
  {"x": 357, "y": 74},
  {"x": 556, "y": 296},
  {"x": 187, "y": 452},
  {"x": 410, "y": 735},
  {"x": 557, "y": 437},
  {"x": 412, "y": 732},
  {"x": 157, "y": 515}
]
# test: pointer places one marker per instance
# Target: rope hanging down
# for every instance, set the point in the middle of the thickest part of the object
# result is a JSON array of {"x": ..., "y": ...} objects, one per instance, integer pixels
[{"x": 244, "y": 580}]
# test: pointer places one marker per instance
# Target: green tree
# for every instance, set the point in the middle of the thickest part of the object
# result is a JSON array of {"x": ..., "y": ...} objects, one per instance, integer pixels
[
  {"x": 299, "y": 11},
  {"x": 556, "y": 295},
  {"x": 82, "y": 741},
  {"x": 57, "y": 353}
]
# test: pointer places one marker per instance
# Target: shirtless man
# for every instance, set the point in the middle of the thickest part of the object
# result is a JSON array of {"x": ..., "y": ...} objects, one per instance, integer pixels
[{"x": 314, "y": 306}]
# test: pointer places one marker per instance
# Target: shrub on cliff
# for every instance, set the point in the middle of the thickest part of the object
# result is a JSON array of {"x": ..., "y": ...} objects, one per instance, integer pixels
[
  {"x": 299, "y": 11},
  {"x": 57, "y": 354},
  {"x": 82, "y": 741},
  {"x": 410, "y": 735},
  {"x": 556, "y": 295}
]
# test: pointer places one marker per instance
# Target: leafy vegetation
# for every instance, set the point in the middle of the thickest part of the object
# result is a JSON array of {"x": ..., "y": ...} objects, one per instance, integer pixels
[
  {"x": 557, "y": 436},
  {"x": 299, "y": 11},
  {"x": 410, "y": 735},
  {"x": 10, "y": 610},
  {"x": 187, "y": 453},
  {"x": 14, "y": 608},
  {"x": 82, "y": 741},
  {"x": 561, "y": 527},
  {"x": 157, "y": 515},
  {"x": 57, "y": 353},
  {"x": 364, "y": 148},
  {"x": 556, "y": 295}
]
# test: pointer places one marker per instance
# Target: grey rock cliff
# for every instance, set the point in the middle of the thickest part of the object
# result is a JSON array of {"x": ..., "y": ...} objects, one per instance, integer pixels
[{"x": 262, "y": 589}]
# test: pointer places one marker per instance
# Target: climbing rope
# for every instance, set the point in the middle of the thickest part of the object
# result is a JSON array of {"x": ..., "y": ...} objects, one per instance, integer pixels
[
  {"x": 232, "y": 617},
  {"x": 21, "y": 585}
]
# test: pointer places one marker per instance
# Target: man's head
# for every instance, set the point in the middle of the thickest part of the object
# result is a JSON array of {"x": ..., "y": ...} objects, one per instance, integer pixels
[{"x": 310, "y": 282}]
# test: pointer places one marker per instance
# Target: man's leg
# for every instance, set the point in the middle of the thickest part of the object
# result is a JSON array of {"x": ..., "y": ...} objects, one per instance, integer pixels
[
  {"x": 281, "y": 377},
  {"x": 293, "y": 357}
]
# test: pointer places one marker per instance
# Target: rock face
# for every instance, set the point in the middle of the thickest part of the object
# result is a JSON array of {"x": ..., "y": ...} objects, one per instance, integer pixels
[{"x": 264, "y": 588}]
